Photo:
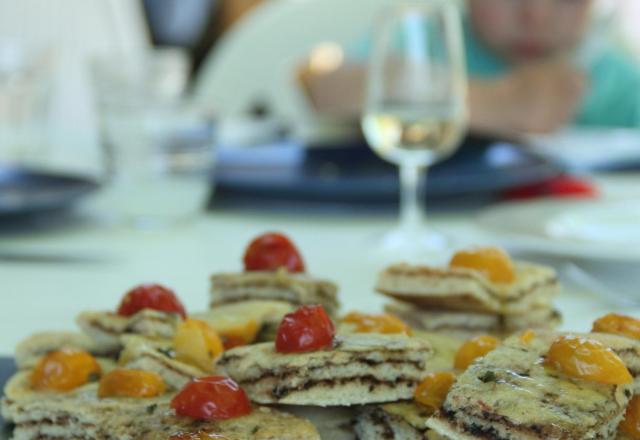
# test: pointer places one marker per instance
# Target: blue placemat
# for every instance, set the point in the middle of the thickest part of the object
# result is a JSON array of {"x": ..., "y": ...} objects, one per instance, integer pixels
[
  {"x": 26, "y": 191},
  {"x": 351, "y": 175}
]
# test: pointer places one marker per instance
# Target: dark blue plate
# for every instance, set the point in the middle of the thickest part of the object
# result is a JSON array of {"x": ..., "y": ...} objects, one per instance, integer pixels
[
  {"x": 7, "y": 368},
  {"x": 353, "y": 175},
  {"x": 24, "y": 191}
]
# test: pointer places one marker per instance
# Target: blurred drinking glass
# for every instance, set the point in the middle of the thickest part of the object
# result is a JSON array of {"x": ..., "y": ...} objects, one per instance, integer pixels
[
  {"x": 157, "y": 148},
  {"x": 25, "y": 90},
  {"x": 415, "y": 112}
]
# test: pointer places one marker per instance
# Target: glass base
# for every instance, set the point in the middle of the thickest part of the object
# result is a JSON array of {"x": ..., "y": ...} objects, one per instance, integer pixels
[{"x": 405, "y": 245}]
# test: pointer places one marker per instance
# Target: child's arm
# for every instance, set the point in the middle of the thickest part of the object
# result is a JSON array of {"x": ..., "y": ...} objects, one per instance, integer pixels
[{"x": 539, "y": 98}]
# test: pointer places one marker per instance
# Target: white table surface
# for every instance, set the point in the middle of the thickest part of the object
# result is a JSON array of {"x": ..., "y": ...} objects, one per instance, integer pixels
[{"x": 39, "y": 296}]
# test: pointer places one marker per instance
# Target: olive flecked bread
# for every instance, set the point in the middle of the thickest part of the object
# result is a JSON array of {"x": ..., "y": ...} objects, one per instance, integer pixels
[{"x": 511, "y": 395}]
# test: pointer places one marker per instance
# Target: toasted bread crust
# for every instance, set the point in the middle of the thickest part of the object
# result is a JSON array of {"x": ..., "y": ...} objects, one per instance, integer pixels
[
  {"x": 106, "y": 328},
  {"x": 360, "y": 368},
  {"x": 467, "y": 289},
  {"x": 509, "y": 394},
  {"x": 81, "y": 414},
  {"x": 296, "y": 289},
  {"x": 465, "y": 324}
]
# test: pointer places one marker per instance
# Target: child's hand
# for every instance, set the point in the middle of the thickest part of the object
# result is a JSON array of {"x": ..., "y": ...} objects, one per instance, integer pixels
[
  {"x": 542, "y": 98},
  {"x": 536, "y": 98}
]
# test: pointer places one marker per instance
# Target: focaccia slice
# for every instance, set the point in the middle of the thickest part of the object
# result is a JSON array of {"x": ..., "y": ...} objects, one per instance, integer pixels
[
  {"x": 443, "y": 350},
  {"x": 158, "y": 356},
  {"x": 236, "y": 319},
  {"x": 358, "y": 369},
  {"x": 31, "y": 349},
  {"x": 468, "y": 289},
  {"x": 77, "y": 414},
  {"x": 107, "y": 328},
  {"x": 261, "y": 424},
  {"x": 466, "y": 324},
  {"x": 18, "y": 387},
  {"x": 510, "y": 394},
  {"x": 82, "y": 415},
  {"x": 454, "y": 323},
  {"x": 395, "y": 421},
  {"x": 294, "y": 288},
  {"x": 332, "y": 422},
  {"x": 546, "y": 319}
]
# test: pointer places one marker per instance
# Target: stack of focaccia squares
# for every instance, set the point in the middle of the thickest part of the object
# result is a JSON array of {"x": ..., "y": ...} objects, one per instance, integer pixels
[
  {"x": 273, "y": 283},
  {"x": 128, "y": 377},
  {"x": 272, "y": 359},
  {"x": 482, "y": 291},
  {"x": 264, "y": 362},
  {"x": 147, "y": 370},
  {"x": 303, "y": 366},
  {"x": 533, "y": 385}
]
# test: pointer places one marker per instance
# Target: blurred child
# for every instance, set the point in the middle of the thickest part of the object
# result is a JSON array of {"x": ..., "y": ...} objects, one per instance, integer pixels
[{"x": 534, "y": 66}]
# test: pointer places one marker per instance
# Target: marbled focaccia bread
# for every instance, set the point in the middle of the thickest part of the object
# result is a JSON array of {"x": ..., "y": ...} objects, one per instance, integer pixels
[
  {"x": 53, "y": 415},
  {"x": 266, "y": 315},
  {"x": 469, "y": 290},
  {"x": 158, "y": 356},
  {"x": 84, "y": 416},
  {"x": 510, "y": 395},
  {"x": 395, "y": 421},
  {"x": 332, "y": 422},
  {"x": 107, "y": 328},
  {"x": 407, "y": 420},
  {"x": 31, "y": 349},
  {"x": 465, "y": 325},
  {"x": 358, "y": 369},
  {"x": 294, "y": 288},
  {"x": 81, "y": 414},
  {"x": 262, "y": 424}
]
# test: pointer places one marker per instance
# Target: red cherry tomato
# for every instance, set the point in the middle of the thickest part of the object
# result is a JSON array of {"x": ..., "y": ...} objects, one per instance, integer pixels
[
  {"x": 271, "y": 252},
  {"x": 150, "y": 296},
  {"x": 211, "y": 398},
  {"x": 307, "y": 329}
]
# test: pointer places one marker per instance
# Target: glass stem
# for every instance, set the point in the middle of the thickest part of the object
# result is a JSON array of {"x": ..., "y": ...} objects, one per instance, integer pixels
[{"x": 411, "y": 198}]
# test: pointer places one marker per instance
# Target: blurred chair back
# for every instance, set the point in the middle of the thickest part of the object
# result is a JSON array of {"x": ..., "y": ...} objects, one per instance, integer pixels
[{"x": 256, "y": 61}]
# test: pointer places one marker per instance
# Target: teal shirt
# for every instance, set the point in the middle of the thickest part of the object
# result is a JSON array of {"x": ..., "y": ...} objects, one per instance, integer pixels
[{"x": 613, "y": 96}]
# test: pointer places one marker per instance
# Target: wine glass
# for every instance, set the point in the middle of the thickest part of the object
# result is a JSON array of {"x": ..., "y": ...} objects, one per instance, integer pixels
[{"x": 416, "y": 105}]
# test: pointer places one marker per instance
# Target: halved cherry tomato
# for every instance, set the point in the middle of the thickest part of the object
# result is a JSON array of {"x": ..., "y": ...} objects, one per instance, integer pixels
[
  {"x": 307, "y": 329},
  {"x": 384, "y": 323},
  {"x": 433, "y": 389},
  {"x": 131, "y": 383},
  {"x": 618, "y": 325},
  {"x": 197, "y": 343},
  {"x": 474, "y": 349},
  {"x": 587, "y": 359},
  {"x": 493, "y": 262},
  {"x": 64, "y": 370},
  {"x": 150, "y": 296},
  {"x": 630, "y": 425},
  {"x": 211, "y": 398},
  {"x": 272, "y": 251}
]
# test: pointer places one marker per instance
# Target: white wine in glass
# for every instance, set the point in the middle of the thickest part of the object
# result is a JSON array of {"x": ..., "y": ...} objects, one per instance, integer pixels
[{"x": 416, "y": 113}]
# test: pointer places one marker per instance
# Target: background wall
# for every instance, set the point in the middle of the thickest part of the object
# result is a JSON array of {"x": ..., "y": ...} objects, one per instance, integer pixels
[{"x": 629, "y": 19}]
